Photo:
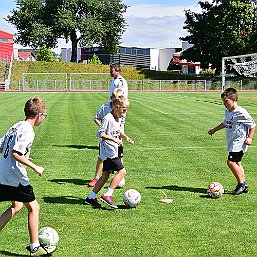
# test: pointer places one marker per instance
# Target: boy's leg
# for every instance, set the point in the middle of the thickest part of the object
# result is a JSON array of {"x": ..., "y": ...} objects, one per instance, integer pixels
[
  {"x": 117, "y": 178},
  {"x": 9, "y": 213},
  {"x": 98, "y": 169},
  {"x": 102, "y": 180},
  {"x": 237, "y": 170},
  {"x": 33, "y": 220}
]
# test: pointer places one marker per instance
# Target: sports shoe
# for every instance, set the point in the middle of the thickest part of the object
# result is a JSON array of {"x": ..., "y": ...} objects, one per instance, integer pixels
[
  {"x": 109, "y": 200},
  {"x": 239, "y": 190},
  {"x": 42, "y": 250},
  {"x": 246, "y": 190},
  {"x": 93, "y": 202},
  {"x": 93, "y": 182}
]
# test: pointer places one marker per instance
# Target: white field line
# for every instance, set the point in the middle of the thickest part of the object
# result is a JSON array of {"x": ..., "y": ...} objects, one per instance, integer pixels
[{"x": 149, "y": 107}]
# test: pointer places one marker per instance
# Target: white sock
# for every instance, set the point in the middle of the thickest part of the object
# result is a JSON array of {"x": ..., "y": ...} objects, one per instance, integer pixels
[
  {"x": 33, "y": 245},
  {"x": 97, "y": 177},
  {"x": 92, "y": 195},
  {"x": 109, "y": 192}
]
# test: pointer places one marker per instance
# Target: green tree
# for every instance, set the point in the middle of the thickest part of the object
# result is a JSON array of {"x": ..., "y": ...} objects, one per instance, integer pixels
[
  {"x": 94, "y": 60},
  {"x": 83, "y": 22},
  {"x": 45, "y": 54},
  {"x": 223, "y": 28}
]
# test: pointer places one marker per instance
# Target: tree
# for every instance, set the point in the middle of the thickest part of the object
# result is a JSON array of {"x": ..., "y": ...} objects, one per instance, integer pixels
[
  {"x": 84, "y": 22},
  {"x": 224, "y": 28},
  {"x": 45, "y": 54},
  {"x": 94, "y": 60}
]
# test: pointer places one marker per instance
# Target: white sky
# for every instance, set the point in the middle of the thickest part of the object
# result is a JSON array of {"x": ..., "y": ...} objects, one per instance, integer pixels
[{"x": 151, "y": 23}]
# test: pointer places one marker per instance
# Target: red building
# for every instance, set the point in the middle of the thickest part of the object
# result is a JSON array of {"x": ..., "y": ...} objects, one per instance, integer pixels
[{"x": 6, "y": 45}]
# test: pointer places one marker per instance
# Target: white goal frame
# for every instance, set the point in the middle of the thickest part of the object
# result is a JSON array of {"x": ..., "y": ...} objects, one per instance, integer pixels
[{"x": 247, "y": 68}]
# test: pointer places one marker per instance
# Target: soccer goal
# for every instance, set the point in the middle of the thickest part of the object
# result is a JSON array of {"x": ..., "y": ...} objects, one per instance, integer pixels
[
  {"x": 239, "y": 71},
  {"x": 44, "y": 81},
  {"x": 89, "y": 81}
]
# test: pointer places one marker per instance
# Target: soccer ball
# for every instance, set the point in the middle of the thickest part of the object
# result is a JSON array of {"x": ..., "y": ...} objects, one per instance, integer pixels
[
  {"x": 131, "y": 198},
  {"x": 121, "y": 183},
  {"x": 48, "y": 236},
  {"x": 215, "y": 190}
]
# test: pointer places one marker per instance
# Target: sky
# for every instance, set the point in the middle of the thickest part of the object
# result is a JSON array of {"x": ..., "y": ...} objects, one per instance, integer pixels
[{"x": 150, "y": 23}]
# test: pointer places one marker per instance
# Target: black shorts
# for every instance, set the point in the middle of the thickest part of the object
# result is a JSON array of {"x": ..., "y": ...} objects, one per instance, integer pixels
[
  {"x": 120, "y": 151},
  {"x": 21, "y": 193},
  {"x": 235, "y": 156},
  {"x": 112, "y": 165}
]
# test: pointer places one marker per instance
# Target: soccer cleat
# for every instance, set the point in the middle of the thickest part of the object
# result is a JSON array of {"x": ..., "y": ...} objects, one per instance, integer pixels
[
  {"x": 239, "y": 190},
  {"x": 109, "y": 200},
  {"x": 93, "y": 182},
  {"x": 93, "y": 202},
  {"x": 42, "y": 250},
  {"x": 246, "y": 190}
]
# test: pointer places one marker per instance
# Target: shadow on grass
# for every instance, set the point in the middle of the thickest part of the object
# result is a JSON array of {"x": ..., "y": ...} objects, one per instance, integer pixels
[
  {"x": 80, "y": 182},
  {"x": 178, "y": 188},
  {"x": 64, "y": 200},
  {"x": 6, "y": 253},
  {"x": 92, "y": 147}
]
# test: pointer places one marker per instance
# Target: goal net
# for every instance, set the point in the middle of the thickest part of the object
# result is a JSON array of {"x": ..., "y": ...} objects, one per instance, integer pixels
[
  {"x": 89, "y": 81},
  {"x": 44, "y": 81},
  {"x": 239, "y": 71}
]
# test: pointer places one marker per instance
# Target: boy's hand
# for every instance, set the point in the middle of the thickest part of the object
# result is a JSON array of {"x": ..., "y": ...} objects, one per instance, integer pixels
[
  {"x": 39, "y": 170},
  {"x": 248, "y": 140},
  {"x": 130, "y": 141},
  {"x": 117, "y": 140}
]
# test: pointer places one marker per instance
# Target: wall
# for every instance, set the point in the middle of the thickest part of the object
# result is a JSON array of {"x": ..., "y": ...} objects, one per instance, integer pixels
[{"x": 6, "y": 45}]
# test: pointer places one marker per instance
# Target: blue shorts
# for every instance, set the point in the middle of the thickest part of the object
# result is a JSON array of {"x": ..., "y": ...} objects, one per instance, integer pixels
[
  {"x": 112, "y": 165},
  {"x": 21, "y": 193},
  {"x": 235, "y": 156}
]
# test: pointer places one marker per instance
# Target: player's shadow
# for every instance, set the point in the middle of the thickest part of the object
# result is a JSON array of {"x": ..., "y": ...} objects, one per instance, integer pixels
[
  {"x": 6, "y": 253},
  {"x": 92, "y": 147},
  {"x": 64, "y": 200},
  {"x": 75, "y": 181},
  {"x": 181, "y": 188}
]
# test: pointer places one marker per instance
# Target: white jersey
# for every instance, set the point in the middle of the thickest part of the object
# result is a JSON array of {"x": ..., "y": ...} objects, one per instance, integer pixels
[
  {"x": 102, "y": 111},
  {"x": 19, "y": 138},
  {"x": 121, "y": 83},
  {"x": 238, "y": 123},
  {"x": 111, "y": 127}
]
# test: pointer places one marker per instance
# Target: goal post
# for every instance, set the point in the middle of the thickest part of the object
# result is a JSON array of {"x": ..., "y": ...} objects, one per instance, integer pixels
[{"x": 242, "y": 65}]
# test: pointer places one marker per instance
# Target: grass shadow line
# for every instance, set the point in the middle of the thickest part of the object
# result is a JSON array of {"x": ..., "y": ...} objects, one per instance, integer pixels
[
  {"x": 64, "y": 200},
  {"x": 92, "y": 147},
  {"x": 80, "y": 182},
  {"x": 181, "y": 188},
  {"x": 6, "y": 253}
]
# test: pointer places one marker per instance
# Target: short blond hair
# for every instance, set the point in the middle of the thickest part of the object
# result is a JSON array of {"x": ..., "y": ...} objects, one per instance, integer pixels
[{"x": 120, "y": 101}]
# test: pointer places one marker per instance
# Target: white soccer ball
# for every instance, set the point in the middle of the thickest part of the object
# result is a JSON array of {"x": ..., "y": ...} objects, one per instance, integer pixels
[
  {"x": 48, "y": 236},
  {"x": 215, "y": 190},
  {"x": 131, "y": 198}
]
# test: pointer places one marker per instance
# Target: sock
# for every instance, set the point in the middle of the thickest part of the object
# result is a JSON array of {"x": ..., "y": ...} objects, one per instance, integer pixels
[
  {"x": 109, "y": 192},
  {"x": 242, "y": 184},
  {"x": 92, "y": 195},
  {"x": 33, "y": 245},
  {"x": 97, "y": 177}
]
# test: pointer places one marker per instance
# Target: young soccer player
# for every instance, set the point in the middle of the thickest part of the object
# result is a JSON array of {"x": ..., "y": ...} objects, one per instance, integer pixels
[
  {"x": 102, "y": 111},
  {"x": 109, "y": 133},
  {"x": 15, "y": 147},
  {"x": 240, "y": 129}
]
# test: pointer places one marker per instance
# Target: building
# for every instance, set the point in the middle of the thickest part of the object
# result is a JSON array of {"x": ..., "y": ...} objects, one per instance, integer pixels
[
  {"x": 6, "y": 45},
  {"x": 149, "y": 58}
]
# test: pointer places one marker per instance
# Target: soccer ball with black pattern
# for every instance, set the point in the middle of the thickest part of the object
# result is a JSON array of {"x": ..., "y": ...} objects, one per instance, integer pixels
[
  {"x": 215, "y": 190},
  {"x": 48, "y": 236}
]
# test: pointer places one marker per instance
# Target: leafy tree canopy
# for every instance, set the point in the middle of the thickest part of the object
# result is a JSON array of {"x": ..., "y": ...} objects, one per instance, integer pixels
[
  {"x": 223, "y": 28},
  {"x": 84, "y": 22}
]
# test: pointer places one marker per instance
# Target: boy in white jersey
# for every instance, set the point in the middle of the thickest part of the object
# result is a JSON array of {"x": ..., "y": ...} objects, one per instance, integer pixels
[
  {"x": 102, "y": 111},
  {"x": 118, "y": 81},
  {"x": 110, "y": 133},
  {"x": 240, "y": 128},
  {"x": 15, "y": 147}
]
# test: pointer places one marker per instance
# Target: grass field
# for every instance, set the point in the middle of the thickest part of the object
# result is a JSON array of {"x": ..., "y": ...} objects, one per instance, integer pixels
[{"x": 173, "y": 154}]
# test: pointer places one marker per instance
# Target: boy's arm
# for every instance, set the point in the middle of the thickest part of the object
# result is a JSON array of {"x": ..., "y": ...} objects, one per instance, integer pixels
[
  {"x": 249, "y": 138},
  {"x": 22, "y": 159},
  {"x": 217, "y": 128},
  {"x": 97, "y": 122},
  {"x": 114, "y": 139},
  {"x": 129, "y": 140}
]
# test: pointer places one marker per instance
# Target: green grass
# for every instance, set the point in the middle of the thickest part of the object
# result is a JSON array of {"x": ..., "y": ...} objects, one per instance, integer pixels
[{"x": 173, "y": 154}]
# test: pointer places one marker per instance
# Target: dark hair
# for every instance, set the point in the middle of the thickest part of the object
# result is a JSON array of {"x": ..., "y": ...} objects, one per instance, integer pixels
[
  {"x": 116, "y": 66},
  {"x": 230, "y": 93},
  {"x": 33, "y": 106}
]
